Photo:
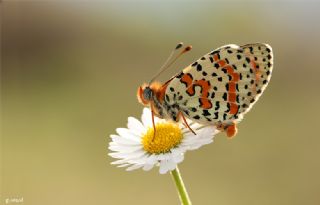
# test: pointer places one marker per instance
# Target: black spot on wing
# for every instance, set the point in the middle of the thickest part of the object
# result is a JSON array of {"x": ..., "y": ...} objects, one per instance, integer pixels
[
  {"x": 167, "y": 98},
  {"x": 197, "y": 117},
  {"x": 224, "y": 70},
  {"x": 234, "y": 67},
  {"x": 206, "y": 113},
  {"x": 228, "y": 106},
  {"x": 180, "y": 75},
  {"x": 216, "y": 115},
  {"x": 225, "y": 116},
  {"x": 217, "y": 105},
  {"x": 269, "y": 64},
  {"x": 199, "y": 67},
  {"x": 224, "y": 96},
  {"x": 237, "y": 99},
  {"x": 214, "y": 52},
  {"x": 245, "y": 105},
  {"x": 268, "y": 50}
]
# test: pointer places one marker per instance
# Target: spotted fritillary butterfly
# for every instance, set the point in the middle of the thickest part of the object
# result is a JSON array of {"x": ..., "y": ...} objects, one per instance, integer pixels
[{"x": 217, "y": 89}]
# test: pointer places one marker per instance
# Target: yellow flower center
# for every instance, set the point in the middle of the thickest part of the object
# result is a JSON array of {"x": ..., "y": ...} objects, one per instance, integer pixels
[{"x": 167, "y": 136}]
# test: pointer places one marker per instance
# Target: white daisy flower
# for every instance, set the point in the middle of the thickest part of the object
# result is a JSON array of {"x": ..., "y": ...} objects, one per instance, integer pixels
[{"x": 137, "y": 147}]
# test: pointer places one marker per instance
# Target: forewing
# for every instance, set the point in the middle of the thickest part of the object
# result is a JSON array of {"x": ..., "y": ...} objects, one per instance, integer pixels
[{"x": 222, "y": 85}]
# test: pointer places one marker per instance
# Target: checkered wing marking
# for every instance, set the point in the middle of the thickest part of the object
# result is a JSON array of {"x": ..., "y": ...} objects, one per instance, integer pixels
[{"x": 222, "y": 85}]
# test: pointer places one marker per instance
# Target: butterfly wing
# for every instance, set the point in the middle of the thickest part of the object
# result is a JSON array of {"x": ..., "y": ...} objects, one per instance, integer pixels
[{"x": 222, "y": 85}]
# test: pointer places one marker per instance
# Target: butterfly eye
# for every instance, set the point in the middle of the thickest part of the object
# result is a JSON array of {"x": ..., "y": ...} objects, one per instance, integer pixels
[{"x": 147, "y": 93}]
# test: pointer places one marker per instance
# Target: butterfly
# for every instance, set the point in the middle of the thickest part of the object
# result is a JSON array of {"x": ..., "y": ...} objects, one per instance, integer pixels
[{"x": 217, "y": 89}]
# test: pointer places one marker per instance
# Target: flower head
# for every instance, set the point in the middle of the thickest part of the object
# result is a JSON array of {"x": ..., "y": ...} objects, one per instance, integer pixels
[{"x": 139, "y": 147}]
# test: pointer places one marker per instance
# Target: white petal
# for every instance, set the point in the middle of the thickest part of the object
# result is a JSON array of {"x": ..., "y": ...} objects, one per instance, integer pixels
[
  {"x": 121, "y": 155},
  {"x": 139, "y": 160},
  {"x": 123, "y": 165},
  {"x": 123, "y": 141},
  {"x": 167, "y": 165},
  {"x": 120, "y": 161},
  {"x": 207, "y": 132},
  {"x": 195, "y": 126},
  {"x": 148, "y": 167},
  {"x": 132, "y": 160},
  {"x": 164, "y": 167},
  {"x": 124, "y": 149},
  {"x": 127, "y": 134},
  {"x": 146, "y": 117},
  {"x": 133, "y": 167},
  {"x": 135, "y": 126},
  {"x": 152, "y": 159},
  {"x": 171, "y": 165},
  {"x": 178, "y": 158},
  {"x": 124, "y": 146},
  {"x": 160, "y": 156}
]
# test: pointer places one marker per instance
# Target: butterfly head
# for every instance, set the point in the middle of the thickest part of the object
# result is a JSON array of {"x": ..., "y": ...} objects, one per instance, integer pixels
[{"x": 145, "y": 94}]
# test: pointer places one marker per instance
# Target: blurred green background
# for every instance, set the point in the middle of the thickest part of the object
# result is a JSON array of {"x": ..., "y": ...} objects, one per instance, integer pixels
[{"x": 69, "y": 76}]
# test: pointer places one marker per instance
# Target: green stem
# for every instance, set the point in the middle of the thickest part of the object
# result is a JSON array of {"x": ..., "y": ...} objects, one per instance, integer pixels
[{"x": 183, "y": 194}]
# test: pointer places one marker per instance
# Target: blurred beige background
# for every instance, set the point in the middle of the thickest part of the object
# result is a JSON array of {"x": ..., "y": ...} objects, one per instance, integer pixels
[{"x": 69, "y": 75}]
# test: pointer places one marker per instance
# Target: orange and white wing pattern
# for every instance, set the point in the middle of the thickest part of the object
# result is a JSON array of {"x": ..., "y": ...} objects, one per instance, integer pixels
[{"x": 222, "y": 85}]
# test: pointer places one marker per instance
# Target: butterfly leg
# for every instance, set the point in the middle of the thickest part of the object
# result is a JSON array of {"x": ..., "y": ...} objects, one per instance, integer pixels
[
  {"x": 186, "y": 123},
  {"x": 153, "y": 124}
]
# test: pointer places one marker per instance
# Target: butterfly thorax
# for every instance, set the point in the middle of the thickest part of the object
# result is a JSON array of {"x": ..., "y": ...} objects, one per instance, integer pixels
[{"x": 153, "y": 95}]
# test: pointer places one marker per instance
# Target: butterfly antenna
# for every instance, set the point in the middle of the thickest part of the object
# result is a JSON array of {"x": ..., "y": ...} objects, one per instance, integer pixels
[{"x": 166, "y": 65}]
